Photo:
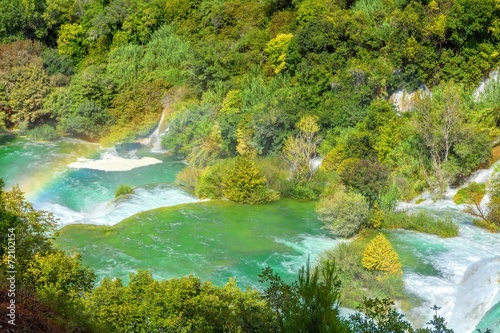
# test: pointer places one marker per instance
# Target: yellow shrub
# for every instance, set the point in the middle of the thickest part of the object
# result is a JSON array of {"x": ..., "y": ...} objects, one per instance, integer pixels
[{"x": 379, "y": 255}]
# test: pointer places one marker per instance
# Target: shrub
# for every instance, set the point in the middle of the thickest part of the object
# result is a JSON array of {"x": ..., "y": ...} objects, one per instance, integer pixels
[
  {"x": 494, "y": 204},
  {"x": 343, "y": 212},
  {"x": 189, "y": 177},
  {"x": 379, "y": 255},
  {"x": 209, "y": 183},
  {"x": 123, "y": 190},
  {"x": 43, "y": 133},
  {"x": 473, "y": 193},
  {"x": 245, "y": 184}
]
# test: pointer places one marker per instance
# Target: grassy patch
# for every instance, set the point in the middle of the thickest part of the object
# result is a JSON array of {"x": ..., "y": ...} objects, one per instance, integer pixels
[
  {"x": 473, "y": 193},
  {"x": 419, "y": 201},
  {"x": 123, "y": 190},
  {"x": 486, "y": 225},
  {"x": 421, "y": 222},
  {"x": 43, "y": 133}
]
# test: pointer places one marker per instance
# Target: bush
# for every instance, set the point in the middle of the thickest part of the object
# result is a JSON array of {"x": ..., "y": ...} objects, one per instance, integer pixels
[
  {"x": 473, "y": 193},
  {"x": 43, "y": 133},
  {"x": 209, "y": 183},
  {"x": 189, "y": 177},
  {"x": 379, "y": 255},
  {"x": 422, "y": 222},
  {"x": 123, "y": 190},
  {"x": 245, "y": 184},
  {"x": 343, "y": 213}
]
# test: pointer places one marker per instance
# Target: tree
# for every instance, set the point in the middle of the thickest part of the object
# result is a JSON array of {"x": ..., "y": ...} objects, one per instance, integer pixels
[
  {"x": 453, "y": 146},
  {"x": 60, "y": 280},
  {"x": 176, "y": 305},
  {"x": 33, "y": 229},
  {"x": 310, "y": 304},
  {"x": 379, "y": 255},
  {"x": 368, "y": 177},
  {"x": 30, "y": 85},
  {"x": 300, "y": 149},
  {"x": 277, "y": 51},
  {"x": 244, "y": 183},
  {"x": 343, "y": 212},
  {"x": 71, "y": 41}
]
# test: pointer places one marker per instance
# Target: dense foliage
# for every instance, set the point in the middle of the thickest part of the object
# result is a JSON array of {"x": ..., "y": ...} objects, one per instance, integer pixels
[
  {"x": 55, "y": 293},
  {"x": 286, "y": 79}
]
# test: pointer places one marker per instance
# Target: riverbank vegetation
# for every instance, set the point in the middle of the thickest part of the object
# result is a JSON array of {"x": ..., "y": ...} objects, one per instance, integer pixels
[{"x": 265, "y": 80}]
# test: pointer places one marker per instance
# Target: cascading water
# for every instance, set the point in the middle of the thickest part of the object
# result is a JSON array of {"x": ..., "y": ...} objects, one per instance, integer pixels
[
  {"x": 459, "y": 274},
  {"x": 466, "y": 282},
  {"x": 154, "y": 140},
  {"x": 76, "y": 180}
]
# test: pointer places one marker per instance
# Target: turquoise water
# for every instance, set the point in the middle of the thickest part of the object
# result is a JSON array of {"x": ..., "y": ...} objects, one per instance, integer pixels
[
  {"x": 218, "y": 240},
  {"x": 491, "y": 320},
  {"x": 213, "y": 240}
]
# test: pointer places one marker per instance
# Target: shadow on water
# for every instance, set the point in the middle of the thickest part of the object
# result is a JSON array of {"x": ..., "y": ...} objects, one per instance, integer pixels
[{"x": 6, "y": 138}]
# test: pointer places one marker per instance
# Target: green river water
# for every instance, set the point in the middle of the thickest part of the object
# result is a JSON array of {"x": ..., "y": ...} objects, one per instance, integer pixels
[{"x": 166, "y": 230}]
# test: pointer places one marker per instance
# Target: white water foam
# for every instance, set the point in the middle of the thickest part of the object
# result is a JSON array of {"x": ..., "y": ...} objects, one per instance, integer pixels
[
  {"x": 308, "y": 246},
  {"x": 493, "y": 78},
  {"x": 406, "y": 101},
  {"x": 469, "y": 273},
  {"x": 110, "y": 161},
  {"x": 112, "y": 212},
  {"x": 154, "y": 140},
  {"x": 476, "y": 294}
]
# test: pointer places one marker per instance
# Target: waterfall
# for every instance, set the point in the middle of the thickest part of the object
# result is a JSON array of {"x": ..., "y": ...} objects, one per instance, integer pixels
[
  {"x": 154, "y": 140},
  {"x": 477, "y": 293},
  {"x": 481, "y": 89}
]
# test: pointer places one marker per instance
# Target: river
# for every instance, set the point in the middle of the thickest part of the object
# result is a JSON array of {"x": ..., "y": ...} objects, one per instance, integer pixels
[{"x": 172, "y": 233}]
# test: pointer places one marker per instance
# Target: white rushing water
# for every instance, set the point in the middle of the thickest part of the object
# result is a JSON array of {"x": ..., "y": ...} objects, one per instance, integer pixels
[
  {"x": 154, "y": 140},
  {"x": 110, "y": 161},
  {"x": 114, "y": 211},
  {"x": 468, "y": 283}
]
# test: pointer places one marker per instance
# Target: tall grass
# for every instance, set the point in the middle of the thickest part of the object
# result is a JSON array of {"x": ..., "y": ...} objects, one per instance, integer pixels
[
  {"x": 43, "y": 133},
  {"x": 421, "y": 222},
  {"x": 123, "y": 190}
]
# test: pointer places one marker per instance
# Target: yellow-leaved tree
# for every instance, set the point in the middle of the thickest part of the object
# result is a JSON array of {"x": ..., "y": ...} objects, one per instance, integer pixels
[
  {"x": 379, "y": 255},
  {"x": 276, "y": 50}
]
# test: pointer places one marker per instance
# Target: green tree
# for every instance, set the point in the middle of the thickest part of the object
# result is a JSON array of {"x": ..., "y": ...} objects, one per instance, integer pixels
[
  {"x": 448, "y": 138},
  {"x": 33, "y": 229},
  {"x": 277, "y": 51},
  {"x": 59, "y": 280},
  {"x": 244, "y": 183},
  {"x": 310, "y": 304},
  {"x": 71, "y": 41},
  {"x": 343, "y": 212},
  {"x": 300, "y": 149},
  {"x": 29, "y": 86},
  {"x": 182, "y": 303}
]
